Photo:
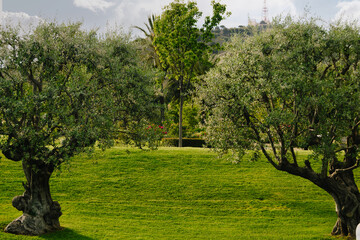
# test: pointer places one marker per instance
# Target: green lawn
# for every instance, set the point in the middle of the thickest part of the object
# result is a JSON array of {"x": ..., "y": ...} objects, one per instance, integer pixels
[{"x": 175, "y": 193}]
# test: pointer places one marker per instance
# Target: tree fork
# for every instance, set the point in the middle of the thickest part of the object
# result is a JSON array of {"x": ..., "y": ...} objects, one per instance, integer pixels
[{"x": 40, "y": 213}]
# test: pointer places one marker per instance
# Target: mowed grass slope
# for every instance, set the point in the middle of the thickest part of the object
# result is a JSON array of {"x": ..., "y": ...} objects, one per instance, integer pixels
[{"x": 172, "y": 193}]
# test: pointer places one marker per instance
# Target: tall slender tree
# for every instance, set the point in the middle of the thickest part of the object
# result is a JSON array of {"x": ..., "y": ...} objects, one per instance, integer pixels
[
  {"x": 181, "y": 45},
  {"x": 150, "y": 56},
  {"x": 148, "y": 47}
]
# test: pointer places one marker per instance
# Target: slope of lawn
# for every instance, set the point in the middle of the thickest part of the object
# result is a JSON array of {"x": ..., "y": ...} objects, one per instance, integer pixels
[{"x": 172, "y": 193}]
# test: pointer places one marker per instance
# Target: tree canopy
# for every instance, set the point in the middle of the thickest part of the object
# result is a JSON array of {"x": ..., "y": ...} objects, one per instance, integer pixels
[
  {"x": 295, "y": 85},
  {"x": 63, "y": 91}
]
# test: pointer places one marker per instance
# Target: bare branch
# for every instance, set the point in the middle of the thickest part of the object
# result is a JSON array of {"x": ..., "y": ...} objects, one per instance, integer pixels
[
  {"x": 345, "y": 149},
  {"x": 308, "y": 165},
  {"x": 33, "y": 80},
  {"x": 272, "y": 145},
  {"x": 325, "y": 71},
  {"x": 294, "y": 156},
  {"x": 282, "y": 142},
  {"x": 337, "y": 171},
  {"x": 258, "y": 138},
  {"x": 356, "y": 125}
]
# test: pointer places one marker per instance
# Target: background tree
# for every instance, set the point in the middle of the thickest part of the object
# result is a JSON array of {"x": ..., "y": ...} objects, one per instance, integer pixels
[
  {"x": 295, "y": 85},
  {"x": 62, "y": 91},
  {"x": 150, "y": 56},
  {"x": 182, "y": 46}
]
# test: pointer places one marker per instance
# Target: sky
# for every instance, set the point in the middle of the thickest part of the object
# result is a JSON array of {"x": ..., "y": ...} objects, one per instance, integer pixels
[{"x": 125, "y": 14}]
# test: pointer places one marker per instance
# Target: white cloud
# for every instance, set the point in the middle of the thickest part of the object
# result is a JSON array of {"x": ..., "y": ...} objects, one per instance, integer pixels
[
  {"x": 137, "y": 11},
  {"x": 129, "y": 13},
  {"x": 14, "y": 19},
  {"x": 348, "y": 11},
  {"x": 94, "y": 5}
]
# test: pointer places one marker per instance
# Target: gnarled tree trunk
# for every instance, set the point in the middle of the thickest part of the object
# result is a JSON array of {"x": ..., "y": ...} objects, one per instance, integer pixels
[
  {"x": 40, "y": 213},
  {"x": 340, "y": 184},
  {"x": 347, "y": 201}
]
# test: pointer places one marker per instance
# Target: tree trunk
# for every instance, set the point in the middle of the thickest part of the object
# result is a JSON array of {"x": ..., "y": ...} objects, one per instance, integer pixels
[
  {"x": 347, "y": 201},
  {"x": 162, "y": 109},
  {"x": 181, "y": 120},
  {"x": 40, "y": 213},
  {"x": 181, "y": 89},
  {"x": 340, "y": 184}
]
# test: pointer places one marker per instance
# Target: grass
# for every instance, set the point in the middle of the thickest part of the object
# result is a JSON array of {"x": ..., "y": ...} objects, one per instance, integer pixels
[{"x": 175, "y": 193}]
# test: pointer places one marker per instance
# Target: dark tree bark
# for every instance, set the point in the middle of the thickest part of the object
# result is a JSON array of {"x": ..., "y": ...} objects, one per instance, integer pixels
[
  {"x": 341, "y": 186},
  {"x": 181, "y": 111},
  {"x": 181, "y": 120},
  {"x": 40, "y": 213},
  {"x": 347, "y": 201}
]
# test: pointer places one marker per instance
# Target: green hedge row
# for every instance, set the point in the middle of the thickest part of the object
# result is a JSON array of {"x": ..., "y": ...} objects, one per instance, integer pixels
[{"x": 187, "y": 142}]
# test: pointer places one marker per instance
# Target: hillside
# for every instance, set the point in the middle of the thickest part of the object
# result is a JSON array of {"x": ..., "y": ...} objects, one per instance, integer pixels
[{"x": 223, "y": 34}]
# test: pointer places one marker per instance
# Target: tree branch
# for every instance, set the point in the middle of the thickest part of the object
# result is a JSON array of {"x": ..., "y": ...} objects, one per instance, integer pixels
[
  {"x": 325, "y": 71},
  {"x": 258, "y": 138},
  {"x": 33, "y": 80},
  {"x": 345, "y": 149},
  {"x": 337, "y": 171},
  {"x": 282, "y": 142},
  {"x": 293, "y": 155},
  {"x": 272, "y": 144},
  {"x": 12, "y": 154}
]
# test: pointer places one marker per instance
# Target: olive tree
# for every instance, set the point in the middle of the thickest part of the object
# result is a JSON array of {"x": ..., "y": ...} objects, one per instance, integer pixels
[
  {"x": 62, "y": 92},
  {"x": 296, "y": 85}
]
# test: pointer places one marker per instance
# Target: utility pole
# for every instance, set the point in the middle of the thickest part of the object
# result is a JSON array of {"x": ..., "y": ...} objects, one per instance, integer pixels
[{"x": 265, "y": 13}]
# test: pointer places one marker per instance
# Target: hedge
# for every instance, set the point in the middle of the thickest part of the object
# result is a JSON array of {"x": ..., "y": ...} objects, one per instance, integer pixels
[{"x": 187, "y": 142}]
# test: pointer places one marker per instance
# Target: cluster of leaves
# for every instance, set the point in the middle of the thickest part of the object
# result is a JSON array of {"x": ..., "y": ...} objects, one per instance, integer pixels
[{"x": 180, "y": 44}]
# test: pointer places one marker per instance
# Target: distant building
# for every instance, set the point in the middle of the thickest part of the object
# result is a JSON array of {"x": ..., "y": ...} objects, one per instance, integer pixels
[{"x": 252, "y": 22}]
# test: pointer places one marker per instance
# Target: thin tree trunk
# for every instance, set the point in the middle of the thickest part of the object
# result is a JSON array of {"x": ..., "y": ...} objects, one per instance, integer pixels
[
  {"x": 181, "y": 120},
  {"x": 181, "y": 111},
  {"x": 162, "y": 109},
  {"x": 40, "y": 213},
  {"x": 162, "y": 104}
]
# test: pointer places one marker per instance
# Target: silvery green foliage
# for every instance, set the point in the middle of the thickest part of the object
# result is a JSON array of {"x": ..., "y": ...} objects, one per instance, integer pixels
[
  {"x": 294, "y": 85},
  {"x": 62, "y": 90}
]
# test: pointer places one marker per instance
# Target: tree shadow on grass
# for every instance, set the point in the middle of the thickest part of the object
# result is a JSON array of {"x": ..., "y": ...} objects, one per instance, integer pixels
[
  {"x": 66, "y": 233},
  {"x": 3, "y": 226}
]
